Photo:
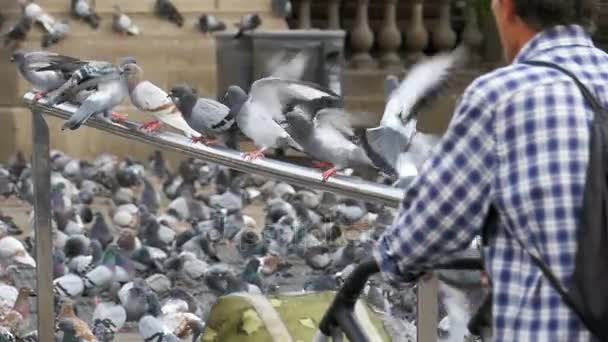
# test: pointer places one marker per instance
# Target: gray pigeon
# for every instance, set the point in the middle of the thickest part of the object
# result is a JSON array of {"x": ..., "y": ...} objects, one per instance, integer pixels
[
  {"x": 59, "y": 30},
  {"x": 248, "y": 22},
  {"x": 111, "y": 90},
  {"x": 209, "y": 23},
  {"x": 18, "y": 32},
  {"x": 422, "y": 84},
  {"x": 85, "y": 10},
  {"x": 100, "y": 231},
  {"x": 122, "y": 23},
  {"x": 206, "y": 116},
  {"x": 166, "y": 9},
  {"x": 33, "y": 68},
  {"x": 260, "y": 114},
  {"x": 328, "y": 138}
]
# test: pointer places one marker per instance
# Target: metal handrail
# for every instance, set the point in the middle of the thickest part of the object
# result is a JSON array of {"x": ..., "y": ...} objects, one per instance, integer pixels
[{"x": 290, "y": 173}]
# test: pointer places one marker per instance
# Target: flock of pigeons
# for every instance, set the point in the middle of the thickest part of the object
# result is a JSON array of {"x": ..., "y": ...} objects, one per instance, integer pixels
[
  {"x": 55, "y": 29},
  {"x": 173, "y": 241},
  {"x": 278, "y": 112}
]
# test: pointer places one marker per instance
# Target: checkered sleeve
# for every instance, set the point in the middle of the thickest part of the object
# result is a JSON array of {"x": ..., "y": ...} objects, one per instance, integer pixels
[{"x": 445, "y": 206}]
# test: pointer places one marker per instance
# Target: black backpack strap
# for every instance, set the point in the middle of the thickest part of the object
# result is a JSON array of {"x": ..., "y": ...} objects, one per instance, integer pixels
[{"x": 598, "y": 110}]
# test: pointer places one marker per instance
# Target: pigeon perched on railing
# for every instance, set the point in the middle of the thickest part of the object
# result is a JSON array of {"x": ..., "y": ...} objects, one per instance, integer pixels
[{"x": 209, "y": 118}]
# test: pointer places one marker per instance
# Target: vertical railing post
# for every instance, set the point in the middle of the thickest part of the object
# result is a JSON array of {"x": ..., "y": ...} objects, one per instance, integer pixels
[
  {"x": 444, "y": 37},
  {"x": 305, "y": 17},
  {"x": 333, "y": 14},
  {"x": 427, "y": 309},
  {"x": 471, "y": 35},
  {"x": 416, "y": 35},
  {"x": 389, "y": 37},
  {"x": 41, "y": 176},
  {"x": 362, "y": 38}
]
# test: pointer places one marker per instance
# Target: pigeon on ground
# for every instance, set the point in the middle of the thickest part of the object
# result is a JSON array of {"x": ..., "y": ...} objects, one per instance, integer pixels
[
  {"x": 328, "y": 138},
  {"x": 424, "y": 82},
  {"x": 149, "y": 98},
  {"x": 18, "y": 33},
  {"x": 36, "y": 13},
  {"x": 85, "y": 10},
  {"x": 112, "y": 89},
  {"x": 100, "y": 231},
  {"x": 122, "y": 23},
  {"x": 206, "y": 116},
  {"x": 108, "y": 318},
  {"x": 167, "y": 10},
  {"x": 59, "y": 30},
  {"x": 66, "y": 313},
  {"x": 248, "y": 22},
  {"x": 208, "y": 23}
]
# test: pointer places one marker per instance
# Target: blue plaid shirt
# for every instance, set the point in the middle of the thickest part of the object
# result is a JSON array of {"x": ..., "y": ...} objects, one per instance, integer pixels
[{"x": 519, "y": 140}]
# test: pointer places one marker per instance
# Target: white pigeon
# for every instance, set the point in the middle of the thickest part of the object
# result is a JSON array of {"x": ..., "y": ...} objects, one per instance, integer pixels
[
  {"x": 69, "y": 285},
  {"x": 12, "y": 251},
  {"x": 34, "y": 12},
  {"x": 149, "y": 98},
  {"x": 108, "y": 317},
  {"x": 123, "y": 24}
]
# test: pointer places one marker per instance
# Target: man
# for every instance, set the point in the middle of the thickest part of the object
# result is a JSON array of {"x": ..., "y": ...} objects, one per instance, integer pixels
[{"x": 518, "y": 141}]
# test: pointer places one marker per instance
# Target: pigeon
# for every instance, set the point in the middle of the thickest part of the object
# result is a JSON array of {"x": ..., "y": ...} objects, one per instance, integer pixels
[
  {"x": 208, "y": 117},
  {"x": 167, "y": 10},
  {"x": 111, "y": 90},
  {"x": 328, "y": 138},
  {"x": 108, "y": 318},
  {"x": 282, "y": 8},
  {"x": 259, "y": 115},
  {"x": 398, "y": 124},
  {"x": 248, "y": 22},
  {"x": 209, "y": 23},
  {"x": 84, "y": 9},
  {"x": 36, "y": 13},
  {"x": 122, "y": 23},
  {"x": 59, "y": 30},
  {"x": 18, "y": 33},
  {"x": 66, "y": 313},
  {"x": 149, "y": 98},
  {"x": 100, "y": 231}
]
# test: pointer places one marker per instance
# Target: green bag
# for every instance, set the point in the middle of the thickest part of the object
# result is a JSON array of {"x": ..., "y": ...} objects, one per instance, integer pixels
[{"x": 244, "y": 317}]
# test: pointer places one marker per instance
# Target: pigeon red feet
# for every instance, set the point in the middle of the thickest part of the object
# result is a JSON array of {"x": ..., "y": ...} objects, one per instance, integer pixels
[
  {"x": 259, "y": 154},
  {"x": 38, "y": 96},
  {"x": 118, "y": 117},
  {"x": 151, "y": 126},
  {"x": 328, "y": 173},
  {"x": 204, "y": 140},
  {"x": 322, "y": 165}
]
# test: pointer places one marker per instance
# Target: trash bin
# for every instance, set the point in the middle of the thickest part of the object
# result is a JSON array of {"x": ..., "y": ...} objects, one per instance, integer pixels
[
  {"x": 255, "y": 55},
  {"x": 234, "y": 62}
]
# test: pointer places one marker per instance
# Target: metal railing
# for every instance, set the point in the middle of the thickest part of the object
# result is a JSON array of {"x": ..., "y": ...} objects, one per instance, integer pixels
[{"x": 290, "y": 173}]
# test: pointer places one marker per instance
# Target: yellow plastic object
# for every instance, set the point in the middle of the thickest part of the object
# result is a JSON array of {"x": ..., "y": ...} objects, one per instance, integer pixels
[{"x": 299, "y": 315}]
